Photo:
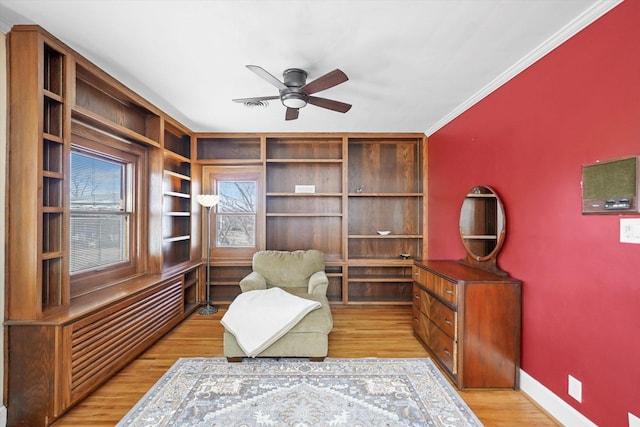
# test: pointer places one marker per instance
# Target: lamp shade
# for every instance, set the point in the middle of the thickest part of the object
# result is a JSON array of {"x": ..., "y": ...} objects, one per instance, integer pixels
[{"x": 208, "y": 200}]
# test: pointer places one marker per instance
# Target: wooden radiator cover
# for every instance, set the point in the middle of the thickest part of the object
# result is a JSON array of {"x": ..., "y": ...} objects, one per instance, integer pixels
[
  {"x": 103, "y": 343},
  {"x": 64, "y": 362}
]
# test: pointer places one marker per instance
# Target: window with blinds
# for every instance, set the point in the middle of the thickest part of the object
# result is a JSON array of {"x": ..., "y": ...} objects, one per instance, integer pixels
[{"x": 100, "y": 212}]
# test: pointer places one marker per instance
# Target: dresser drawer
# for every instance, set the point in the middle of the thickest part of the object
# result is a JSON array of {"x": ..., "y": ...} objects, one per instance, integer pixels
[
  {"x": 444, "y": 317},
  {"x": 419, "y": 324},
  {"x": 445, "y": 289},
  {"x": 444, "y": 348},
  {"x": 420, "y": 276},
  {"x": 439, "y": 286}
]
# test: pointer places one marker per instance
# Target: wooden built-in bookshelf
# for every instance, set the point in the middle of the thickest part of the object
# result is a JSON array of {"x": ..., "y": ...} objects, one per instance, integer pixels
[
  {"x": 57, "y": 97},
  {"x": 361, "y": 184}
]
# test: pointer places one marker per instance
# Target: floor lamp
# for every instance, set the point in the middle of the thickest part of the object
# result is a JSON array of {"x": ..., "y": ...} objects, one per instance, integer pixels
[{"x": 208, "y": 201}]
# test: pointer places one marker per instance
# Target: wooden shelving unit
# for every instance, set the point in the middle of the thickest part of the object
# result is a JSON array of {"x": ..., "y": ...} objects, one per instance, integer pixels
[
  {"x": 358, "y": 184},
  {"x": 37, "y": 219},
  {"x": 305, "y": 161},
  {"x": 177, "y": 197},
  {"x": 385, "y": 194},
  {"x": 54, "y": 281},
  {"x": 57, "y": 355}
]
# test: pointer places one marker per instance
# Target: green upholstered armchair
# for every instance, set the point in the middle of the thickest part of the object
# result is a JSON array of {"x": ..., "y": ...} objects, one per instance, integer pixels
[
  {"x": 298, "y": 269},
  {"x": 300, "y": 273}
]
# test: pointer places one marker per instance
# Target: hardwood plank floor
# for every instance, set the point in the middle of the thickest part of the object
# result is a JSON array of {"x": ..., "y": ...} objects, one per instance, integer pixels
[{"x": 358, "y": 332}]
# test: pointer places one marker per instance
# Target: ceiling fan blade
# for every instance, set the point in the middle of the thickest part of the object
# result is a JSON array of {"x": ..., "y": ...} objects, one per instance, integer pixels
[
  {"x": 329, "y": 104},
  {"x": 267, "y": 76},
  {"x": 330, "y": 79},
  {"x": 256, "y": 98},
  {"x": 292, "y": 114}
]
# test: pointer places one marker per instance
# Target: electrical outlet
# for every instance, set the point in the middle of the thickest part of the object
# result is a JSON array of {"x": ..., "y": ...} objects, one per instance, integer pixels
[
  {"x": 575, "y": 389},
  {"x": 633, "y": 420}
]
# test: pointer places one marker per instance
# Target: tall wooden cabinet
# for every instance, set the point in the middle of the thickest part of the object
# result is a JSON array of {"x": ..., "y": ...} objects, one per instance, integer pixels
[
  {"x": 334, "y": 193},
  {"x": 62, "y": 344}
]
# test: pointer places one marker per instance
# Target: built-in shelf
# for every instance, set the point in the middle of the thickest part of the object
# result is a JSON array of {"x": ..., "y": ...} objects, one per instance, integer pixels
[
  {"x": 287, "y": 194},
  {"x": 177, "y": 205},
  {"x": 61, "y": 102},
  {"x": 309, "y": 214},
  {"x": 387, "y": 236},
  {"x": 176, "y": 194},
  {"x": 289, "y": 161},
  {"x": 361, "y": 183},
  {"x": 95, "y": 119}
]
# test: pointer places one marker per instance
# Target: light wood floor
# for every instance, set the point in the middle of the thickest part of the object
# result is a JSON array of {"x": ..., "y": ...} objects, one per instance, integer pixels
[{"x": 358, "y": 332}]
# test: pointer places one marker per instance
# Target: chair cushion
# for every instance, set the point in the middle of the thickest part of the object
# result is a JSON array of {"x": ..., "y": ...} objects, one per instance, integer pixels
[
  {"x": 286, "y": 269},
  {"x": 259, "y": 318},
  {"x": 308, "y": 338}
]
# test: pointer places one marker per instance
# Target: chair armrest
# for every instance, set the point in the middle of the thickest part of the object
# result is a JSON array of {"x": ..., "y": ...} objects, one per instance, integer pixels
[
  {"x": 253, "y": 281},
  {"x": 318, "y": 283}
]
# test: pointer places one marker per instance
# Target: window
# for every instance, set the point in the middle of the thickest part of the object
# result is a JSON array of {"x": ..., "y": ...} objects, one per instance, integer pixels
[
  {"x": 100, "y": 212},
  {"x": 106, "y": 214},
  {"x": 236, "y": 214},
  {"x": 237, "y": 222}
]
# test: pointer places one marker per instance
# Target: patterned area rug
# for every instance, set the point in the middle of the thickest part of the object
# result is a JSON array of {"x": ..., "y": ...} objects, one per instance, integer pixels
[{"x": 296, "y": 392}]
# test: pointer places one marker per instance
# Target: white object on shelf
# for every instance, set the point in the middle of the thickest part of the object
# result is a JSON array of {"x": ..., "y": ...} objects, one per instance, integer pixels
[
  {"x": 384, "y": 232},
  {"x": 305, "y": 189}
]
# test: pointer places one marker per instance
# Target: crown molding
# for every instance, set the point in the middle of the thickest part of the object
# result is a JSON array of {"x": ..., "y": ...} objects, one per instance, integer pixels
[{"x": 565, "y": 33}]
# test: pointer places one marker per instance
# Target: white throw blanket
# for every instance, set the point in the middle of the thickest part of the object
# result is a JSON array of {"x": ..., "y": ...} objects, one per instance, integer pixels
[{"x": 259, "y": 318}]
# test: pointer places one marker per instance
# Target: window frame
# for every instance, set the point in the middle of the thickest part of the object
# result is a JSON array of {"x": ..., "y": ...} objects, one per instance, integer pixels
[
  {"x": 109, "y": 147},
  {"x": 211, "y": 176}
]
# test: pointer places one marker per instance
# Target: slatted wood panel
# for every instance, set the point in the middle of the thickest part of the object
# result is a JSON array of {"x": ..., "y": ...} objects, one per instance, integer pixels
[{"x": 101, "y": 344}]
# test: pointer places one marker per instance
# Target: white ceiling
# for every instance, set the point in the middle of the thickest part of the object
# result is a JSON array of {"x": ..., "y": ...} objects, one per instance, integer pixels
[{"x": 413, "y": 65}]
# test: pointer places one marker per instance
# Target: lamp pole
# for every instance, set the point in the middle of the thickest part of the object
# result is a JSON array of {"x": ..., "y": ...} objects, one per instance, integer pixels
[{"x": 208, "y": 201}]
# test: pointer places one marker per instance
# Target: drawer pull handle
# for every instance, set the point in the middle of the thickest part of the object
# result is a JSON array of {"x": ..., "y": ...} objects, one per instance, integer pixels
[
  {"x": 448, "y": 291},
  {"x": 416, "y": 296},
  {"x": 448, "y": 322},
  {"x": 415, "y": 274},
  {"x": 447, "y": 352}
]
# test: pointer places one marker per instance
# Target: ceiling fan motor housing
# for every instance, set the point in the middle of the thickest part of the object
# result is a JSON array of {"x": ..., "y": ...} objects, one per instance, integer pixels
[
  {"x": 294, "y": 77},
  {"x": 293, "y": 97}
]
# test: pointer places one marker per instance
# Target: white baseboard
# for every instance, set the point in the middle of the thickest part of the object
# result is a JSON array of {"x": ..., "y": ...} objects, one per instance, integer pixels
[
  {"x": 3, "y": 416},
  {"x": 559, "y": 409}
]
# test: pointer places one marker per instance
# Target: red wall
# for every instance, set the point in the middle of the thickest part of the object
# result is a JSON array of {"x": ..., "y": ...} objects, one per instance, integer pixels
[{"x": 528, "y": 140}]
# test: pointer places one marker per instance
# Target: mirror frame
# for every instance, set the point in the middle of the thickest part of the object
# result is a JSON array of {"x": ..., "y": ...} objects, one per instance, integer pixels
[{"x": 482, "y": 222}]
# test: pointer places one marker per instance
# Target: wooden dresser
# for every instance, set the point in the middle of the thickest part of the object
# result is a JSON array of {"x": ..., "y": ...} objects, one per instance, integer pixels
[{"x": 469, "y": 319}]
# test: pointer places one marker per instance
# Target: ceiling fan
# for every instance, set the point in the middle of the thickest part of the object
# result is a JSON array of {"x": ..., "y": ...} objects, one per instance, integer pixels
[{"x": 296, "y": 93}]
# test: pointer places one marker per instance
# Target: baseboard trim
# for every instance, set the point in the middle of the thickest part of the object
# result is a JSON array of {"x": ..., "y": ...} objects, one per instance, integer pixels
[{"x": 559, "y": 409}]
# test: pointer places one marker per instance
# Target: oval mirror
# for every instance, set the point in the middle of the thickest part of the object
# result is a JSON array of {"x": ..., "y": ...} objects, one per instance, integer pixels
[{"x": 482, "y": 227}]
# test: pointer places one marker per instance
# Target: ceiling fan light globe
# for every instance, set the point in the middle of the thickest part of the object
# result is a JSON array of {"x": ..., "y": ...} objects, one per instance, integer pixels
[{"x": 294, "y": 100}]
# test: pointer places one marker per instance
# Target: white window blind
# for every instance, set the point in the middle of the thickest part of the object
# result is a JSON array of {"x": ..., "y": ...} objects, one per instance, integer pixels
[{"x": 99, "y": 229}]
